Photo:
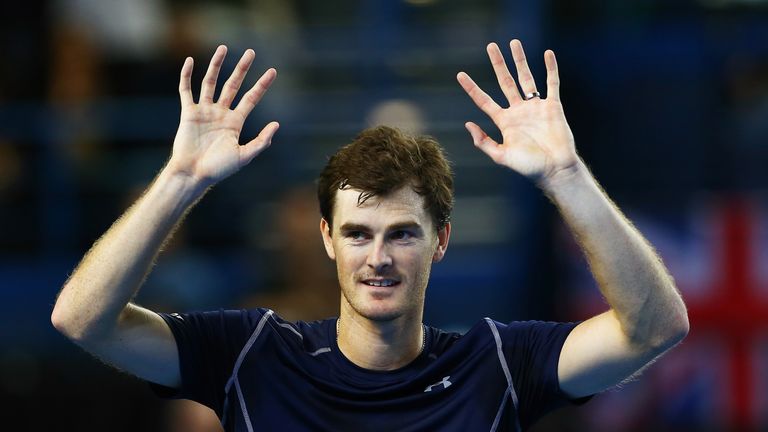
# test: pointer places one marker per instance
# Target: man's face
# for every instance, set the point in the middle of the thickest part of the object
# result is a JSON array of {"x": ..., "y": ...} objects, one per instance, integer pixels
[{"x": 384, "y": 250}]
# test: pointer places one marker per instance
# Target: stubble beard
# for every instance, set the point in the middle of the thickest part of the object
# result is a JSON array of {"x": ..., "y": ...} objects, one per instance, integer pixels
[{"x": 413, "y": 300}]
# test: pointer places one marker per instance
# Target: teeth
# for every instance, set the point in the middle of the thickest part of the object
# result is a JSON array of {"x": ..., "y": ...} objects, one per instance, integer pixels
[{"x": 380, "y": 283}]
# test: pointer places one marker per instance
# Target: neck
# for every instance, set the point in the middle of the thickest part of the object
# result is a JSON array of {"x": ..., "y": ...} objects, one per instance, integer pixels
[{"x": 379, "y": 345}]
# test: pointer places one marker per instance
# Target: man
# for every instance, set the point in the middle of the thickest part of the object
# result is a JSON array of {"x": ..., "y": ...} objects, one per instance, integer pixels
[{"x": 385, "y": 202}]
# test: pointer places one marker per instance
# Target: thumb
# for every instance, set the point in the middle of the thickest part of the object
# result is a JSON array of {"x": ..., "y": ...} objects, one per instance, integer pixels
[
  {"x": 251, "y": 149},
  {"x": 483, "y": 141}
]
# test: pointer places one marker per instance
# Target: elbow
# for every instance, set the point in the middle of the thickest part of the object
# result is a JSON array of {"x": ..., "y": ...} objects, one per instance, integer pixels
[
  {"x": 67, "y": 319},
  {"x": 672, "y": 332},
  {"x": 681, "y": 328},
  {"x": 62, "y": 321},
  {"x": 679, "y": 325},
  {"x": 659, "y": 331},
  {"x": 82, "y": 323},
  {"x": 72, "y": 328},
  {"x": 671, "y": 324}
]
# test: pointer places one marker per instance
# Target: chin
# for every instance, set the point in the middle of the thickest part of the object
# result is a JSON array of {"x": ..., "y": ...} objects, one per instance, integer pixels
[
  {"x": 379, "y": 313},
  {"x": 385, "y": 316}
]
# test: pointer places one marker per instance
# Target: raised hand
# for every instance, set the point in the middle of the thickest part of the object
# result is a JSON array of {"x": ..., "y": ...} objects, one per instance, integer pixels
[
  {"x": 537, "y": 141},
  {"x": 207, "y": 147}
]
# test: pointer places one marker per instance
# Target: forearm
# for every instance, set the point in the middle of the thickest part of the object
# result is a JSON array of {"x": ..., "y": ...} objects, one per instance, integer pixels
[
  {"x": 629, "y": 273},
  {"x": 110, "y": 274}
]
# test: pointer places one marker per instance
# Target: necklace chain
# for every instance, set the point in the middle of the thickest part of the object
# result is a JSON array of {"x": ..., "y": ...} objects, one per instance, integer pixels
[{"x": 423, "y": 338}]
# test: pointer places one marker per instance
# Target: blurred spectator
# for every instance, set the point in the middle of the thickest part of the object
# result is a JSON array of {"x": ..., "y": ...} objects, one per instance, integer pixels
[
  {"x": 75, "y": 77},
  {"x": 120, "y": 29},
  {"x": 304, "y": 287},
  {"x": 402, "y": 114},
  {"x": 186, "y": 277},
  {"x": 10, "y": 167},
  {"x": 11, "y": 196},
  {"x": 75, "y": 84}
]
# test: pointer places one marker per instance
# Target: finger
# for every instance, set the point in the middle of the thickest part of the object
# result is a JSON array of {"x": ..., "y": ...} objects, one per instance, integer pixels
[
  {"x": 506, "y": 82},
  {"x": 258, "y": 144},
  {"x": 483, "y": 141},
  {"x": 212, "y": 74},
  {"x": 478, "y": 96},
  {"x": 524, "y": 76},
  {"x": 185, "y": 83},
  {"x": 254, "y": 95},
  {"x": 232, "y": 86},
  {"x": 553, "y": 77}
]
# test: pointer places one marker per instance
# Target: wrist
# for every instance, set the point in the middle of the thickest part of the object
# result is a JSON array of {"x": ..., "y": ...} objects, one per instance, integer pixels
[
  {"x": 565, "y": 178},
  {"x": 188, "y": 189}
]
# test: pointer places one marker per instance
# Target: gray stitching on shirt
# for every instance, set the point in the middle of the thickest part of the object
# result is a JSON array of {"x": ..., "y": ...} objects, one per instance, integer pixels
[
  {"x": 247, "y": 348},
  {"x": 319, "y": 351},
  {"x": 501, "y": 410},
  {"x": 239, "y": 361},
  {"x": 503, "y": 361},
  {"x": 290, "y": 327},
  {"x": 246, "y": 417}
]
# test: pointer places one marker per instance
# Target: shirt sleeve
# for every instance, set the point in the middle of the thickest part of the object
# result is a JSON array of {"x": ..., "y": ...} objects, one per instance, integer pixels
[
  {"x": 209, "y": 344},
  {"x": 532, "y": 350}
]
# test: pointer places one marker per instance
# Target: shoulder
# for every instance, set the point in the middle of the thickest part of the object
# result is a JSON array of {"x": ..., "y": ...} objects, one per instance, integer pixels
[
  {"x": 531, "y": 331},
  {"x": 306, "y": 336},
  {"x": 230, "y": 327},
  {"x": 479, "y": 336},
  {"x": 514, "y": 337},
  {"x": 226, "y": 320},
  {"x": 489, "y": 329}
]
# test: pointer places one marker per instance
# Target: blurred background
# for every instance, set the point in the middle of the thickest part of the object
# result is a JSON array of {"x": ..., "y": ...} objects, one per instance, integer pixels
[{"x": 668, "y": 101}]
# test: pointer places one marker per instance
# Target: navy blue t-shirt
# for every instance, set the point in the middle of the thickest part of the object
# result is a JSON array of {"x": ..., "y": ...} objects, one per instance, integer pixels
[{"x": 260, "y": 372}]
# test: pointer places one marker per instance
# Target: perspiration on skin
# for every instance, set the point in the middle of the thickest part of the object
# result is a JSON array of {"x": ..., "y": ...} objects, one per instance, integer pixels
[{"x": 389, "y": 240}]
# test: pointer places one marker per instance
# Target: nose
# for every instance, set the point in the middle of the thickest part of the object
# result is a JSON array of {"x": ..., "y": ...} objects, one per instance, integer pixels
[{"x": 378, "y": 257}]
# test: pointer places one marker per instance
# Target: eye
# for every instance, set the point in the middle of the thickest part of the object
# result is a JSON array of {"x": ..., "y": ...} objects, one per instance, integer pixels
[
  {"x": 402, "y": 235},
  {"x": 356, "y": 235}
]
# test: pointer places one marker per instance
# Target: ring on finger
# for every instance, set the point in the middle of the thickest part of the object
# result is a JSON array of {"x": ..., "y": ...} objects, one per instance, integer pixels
[{"x": 529, "y": 96}]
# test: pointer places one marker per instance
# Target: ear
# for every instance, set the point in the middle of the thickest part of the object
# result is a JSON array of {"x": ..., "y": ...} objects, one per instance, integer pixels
[
  {"x": 325, "y": 231},
  {"x": 443, "y": 235}
]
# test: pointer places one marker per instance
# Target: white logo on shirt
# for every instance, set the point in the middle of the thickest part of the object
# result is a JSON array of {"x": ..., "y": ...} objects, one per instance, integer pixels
[
  {"x": 445, "y": 383},
  {"x": 177, "y": 316}
]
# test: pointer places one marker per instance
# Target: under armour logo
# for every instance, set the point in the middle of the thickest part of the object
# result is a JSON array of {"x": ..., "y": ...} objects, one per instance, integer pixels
[{"x": 445, "y": 383}]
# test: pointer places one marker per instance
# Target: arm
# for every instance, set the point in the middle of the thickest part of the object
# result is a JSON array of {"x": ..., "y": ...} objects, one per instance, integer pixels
[
  {"x": 93, "y": 307},
  {"x": 647, "y": 316}
]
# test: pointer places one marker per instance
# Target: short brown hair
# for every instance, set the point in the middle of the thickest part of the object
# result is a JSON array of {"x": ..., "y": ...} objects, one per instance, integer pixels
[{"x": 381, "y": 160}]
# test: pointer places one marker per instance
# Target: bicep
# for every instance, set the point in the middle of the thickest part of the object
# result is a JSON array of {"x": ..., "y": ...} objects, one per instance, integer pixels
[
  {"x": 143, "y": 345},
  {"x": 597, "y": 355}
]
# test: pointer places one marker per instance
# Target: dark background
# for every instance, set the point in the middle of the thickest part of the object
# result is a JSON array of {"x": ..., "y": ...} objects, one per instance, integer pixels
[{"x": 668, "y": 102}]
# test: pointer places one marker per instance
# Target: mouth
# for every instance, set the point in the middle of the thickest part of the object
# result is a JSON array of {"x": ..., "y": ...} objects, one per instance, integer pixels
[{"x": 380, "y": 283}]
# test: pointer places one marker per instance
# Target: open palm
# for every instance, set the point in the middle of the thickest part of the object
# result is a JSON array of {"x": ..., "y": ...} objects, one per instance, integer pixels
[
  {"x": 207, "y": 146},
  {"x": 537, "y": 141}
]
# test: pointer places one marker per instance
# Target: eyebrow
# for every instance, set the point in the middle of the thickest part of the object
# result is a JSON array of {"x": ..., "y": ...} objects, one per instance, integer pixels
[
  {"x": 405, "y": 225},
  {"x": 351, "y": 226}
]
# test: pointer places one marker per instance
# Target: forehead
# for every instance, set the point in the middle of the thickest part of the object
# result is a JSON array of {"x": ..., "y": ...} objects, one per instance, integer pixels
[{"x": 403, "y": 204}]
